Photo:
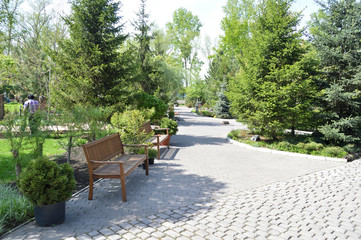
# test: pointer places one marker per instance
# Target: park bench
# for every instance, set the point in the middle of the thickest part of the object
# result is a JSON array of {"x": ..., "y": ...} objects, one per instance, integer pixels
[
  {"x": 157, "y": 139},
  {"x": 106, "y": 159}
]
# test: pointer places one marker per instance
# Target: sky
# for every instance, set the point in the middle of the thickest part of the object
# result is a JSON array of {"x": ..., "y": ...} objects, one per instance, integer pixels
[{"x": 210, "y": 13}]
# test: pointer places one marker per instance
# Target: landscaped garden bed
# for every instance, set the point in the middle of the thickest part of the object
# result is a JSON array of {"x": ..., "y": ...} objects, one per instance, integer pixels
[{"x": 305, "y": 143}]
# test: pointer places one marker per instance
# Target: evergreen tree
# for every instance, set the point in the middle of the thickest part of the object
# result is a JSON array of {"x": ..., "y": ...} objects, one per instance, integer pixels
[
  {"x": 274, "y": 88},
  {"x": 336, "y": 35},
  {"x": 221, "y": 109},
  {"x": 90, "y": 67},
  {"x": 143, "y": 38}
]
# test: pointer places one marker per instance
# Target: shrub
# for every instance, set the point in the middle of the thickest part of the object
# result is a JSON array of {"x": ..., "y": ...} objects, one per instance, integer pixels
[
  {"x": 128, "y": 124},
  {"x": 333, "y": 152},
  {"x": 145, "y": 101},
  {"x": 171, "y": 124},
  {"x": 45, "y": 182},
  {"x": 284, "y": 145},
  {"x": 313, "y": 146},
  {"x": 152, "y": 153},
  {"x": 14, "y": 208}
]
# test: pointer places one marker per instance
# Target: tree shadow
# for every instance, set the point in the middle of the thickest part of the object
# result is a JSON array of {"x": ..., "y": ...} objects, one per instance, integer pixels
[
  {"x": 167, "y": 187},
  {"x": 187, "y": 140}
]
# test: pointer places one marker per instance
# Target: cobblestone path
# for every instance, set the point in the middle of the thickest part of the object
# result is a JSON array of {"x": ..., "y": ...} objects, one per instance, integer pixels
[{"x": 206, "y": 188}]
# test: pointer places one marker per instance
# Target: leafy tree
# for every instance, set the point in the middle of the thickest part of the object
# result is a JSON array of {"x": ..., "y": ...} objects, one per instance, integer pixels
[
  {"x": 336, "y": 36},
  {"x": 14, "y": 132},
  {"x": 10, "y": 12},
  {"x": 31, "y": 50},
  {"x": 91, "y": 70},
  {"x": 274, "y": 88},
  {"x": 183, "y": 30}
]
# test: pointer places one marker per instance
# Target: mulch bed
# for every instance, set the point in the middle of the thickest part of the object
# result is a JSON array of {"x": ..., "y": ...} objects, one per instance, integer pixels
[{"x": 80, "y": 166}]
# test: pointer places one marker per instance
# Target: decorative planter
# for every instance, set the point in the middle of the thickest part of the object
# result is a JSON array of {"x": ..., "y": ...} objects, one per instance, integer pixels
[
  {"x": 49, "y": 215},
  {"x": 151, "y": 161},
  {"x": 166, "y": 142}
]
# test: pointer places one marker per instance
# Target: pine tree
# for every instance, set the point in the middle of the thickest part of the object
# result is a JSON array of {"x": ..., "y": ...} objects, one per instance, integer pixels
[
  {"x": 90, "y": 68},
  {"x": 336, "y": 35}
]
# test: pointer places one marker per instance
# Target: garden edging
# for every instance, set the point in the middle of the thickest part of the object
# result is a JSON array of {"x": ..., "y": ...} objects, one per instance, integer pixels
[{"x": 291, "y": 154}]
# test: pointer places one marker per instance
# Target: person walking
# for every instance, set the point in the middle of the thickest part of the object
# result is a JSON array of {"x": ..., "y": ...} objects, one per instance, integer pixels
[{"x": 31, "y": 105}]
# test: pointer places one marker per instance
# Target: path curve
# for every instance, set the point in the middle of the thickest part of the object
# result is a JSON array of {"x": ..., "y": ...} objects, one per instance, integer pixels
[{"x": 206, "y": 188}]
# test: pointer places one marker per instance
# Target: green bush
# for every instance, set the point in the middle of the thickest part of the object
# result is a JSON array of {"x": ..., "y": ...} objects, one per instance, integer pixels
[
  {"x": 128, "y": 124},
  {"x": 45, "y": 182},
  {"x": 14, "y": 208},
  {"x": 333, "y": 152},
  {"x": 145, "y": 101},
  {"x": 313, "y": 146},
  {"x": 152, "y": 153},
  {"x": 284, "y": 145},
  {"x": 171, "y": 124},
  {"x": 207, "y": 113}
]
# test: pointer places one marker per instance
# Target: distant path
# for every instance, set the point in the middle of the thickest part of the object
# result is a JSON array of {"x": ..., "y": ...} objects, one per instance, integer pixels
[{"x": 206, "y": 188}]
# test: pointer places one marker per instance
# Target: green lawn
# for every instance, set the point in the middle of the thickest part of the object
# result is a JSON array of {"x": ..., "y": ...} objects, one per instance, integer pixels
[
  {"x": 7, "y": 164},
  {"x": 12, "y": 107}
]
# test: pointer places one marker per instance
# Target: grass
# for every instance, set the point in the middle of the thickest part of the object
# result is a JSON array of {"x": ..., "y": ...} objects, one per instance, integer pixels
[
  {"x": 14, "y": 208},
  {"x": 305, "y": 144},
  {"x": 7, "y": 164},
  {"x": 12, "y": 107}
]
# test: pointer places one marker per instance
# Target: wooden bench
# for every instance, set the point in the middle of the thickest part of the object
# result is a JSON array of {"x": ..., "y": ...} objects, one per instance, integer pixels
[
  {"x": 157, "y": 139},
  {"x": 106, "y": 159}
]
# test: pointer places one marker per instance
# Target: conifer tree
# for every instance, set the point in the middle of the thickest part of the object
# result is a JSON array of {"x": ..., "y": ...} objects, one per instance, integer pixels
[
  {"x": 273, "y": 89},
  {"x": 221, "y": 109},
  {"x": 90, "y": 68},
  {"x": 336, "y": 35}
]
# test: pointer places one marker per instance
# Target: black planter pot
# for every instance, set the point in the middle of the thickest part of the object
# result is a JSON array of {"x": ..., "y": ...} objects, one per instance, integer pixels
[
  {"x": 151, "y": 161},
  {"x": 49, "y": 215}
]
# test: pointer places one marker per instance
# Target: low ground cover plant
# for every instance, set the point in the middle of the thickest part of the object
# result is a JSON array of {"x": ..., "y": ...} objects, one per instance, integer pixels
[
  {"x": 14, "y": 208},
  {"x": 305, "y": 144}
]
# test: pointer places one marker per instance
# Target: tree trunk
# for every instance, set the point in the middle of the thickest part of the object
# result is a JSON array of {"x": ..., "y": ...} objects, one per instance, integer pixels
[
  {"x": 69, "y": 148},
  {"x": 17, "y": 170}
]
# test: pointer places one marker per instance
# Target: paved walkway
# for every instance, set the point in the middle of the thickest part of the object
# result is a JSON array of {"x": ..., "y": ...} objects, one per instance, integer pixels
[{"x": 206, "y": 188}]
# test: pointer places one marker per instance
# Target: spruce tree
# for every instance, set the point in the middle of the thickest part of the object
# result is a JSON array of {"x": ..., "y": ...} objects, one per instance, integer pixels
[
  {"x": 90, "y": 68},
  {"x": 273, "y": 89},
  {"x": 336, "y": 35},
  {"x": 143, "y": 37},
  {"x": 221, "y": 109}
]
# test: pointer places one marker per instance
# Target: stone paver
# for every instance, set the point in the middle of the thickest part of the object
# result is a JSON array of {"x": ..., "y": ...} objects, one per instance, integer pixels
[{"x": 206, "y": 188}]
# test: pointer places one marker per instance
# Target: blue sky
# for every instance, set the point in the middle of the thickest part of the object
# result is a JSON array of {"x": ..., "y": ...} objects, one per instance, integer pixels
[{"x": 210, "y": 12}]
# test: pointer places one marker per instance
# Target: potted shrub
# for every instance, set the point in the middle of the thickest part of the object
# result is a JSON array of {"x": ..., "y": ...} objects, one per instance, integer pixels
[
  {"x": 152, "y": 154},
  {"x": 172, "y": 125},
  {"x": 47, "y": 185}
]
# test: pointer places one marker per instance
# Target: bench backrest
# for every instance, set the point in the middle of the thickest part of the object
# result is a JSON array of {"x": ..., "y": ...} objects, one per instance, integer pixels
[
  {"x": 146, "y": 127},
  {"x": 103, "y": 149}
]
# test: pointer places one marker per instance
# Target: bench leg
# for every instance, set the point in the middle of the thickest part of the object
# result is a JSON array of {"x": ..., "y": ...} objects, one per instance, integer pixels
[
  {"x": 146, "y": 167},
  {"x": 158, "y": 151},
  {"x": 122, "y": 183},
  {"x": 90, "y": 195}
]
